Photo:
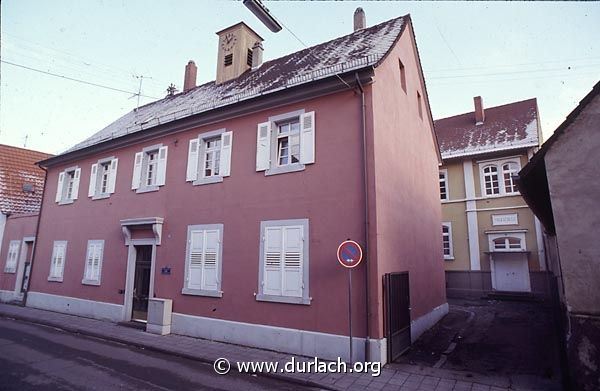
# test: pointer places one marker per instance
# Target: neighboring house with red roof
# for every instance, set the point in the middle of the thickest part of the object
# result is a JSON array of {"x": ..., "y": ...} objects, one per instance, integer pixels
[
  {"x": 492, "y": 241},
  {"x": 229, "y": 200},
  {"x": 21, "y": 188}
]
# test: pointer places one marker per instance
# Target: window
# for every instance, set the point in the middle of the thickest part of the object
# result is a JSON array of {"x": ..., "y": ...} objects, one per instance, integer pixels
[
  {"x": 228, "y": 59},
  {"x": 507, "y": 241},
  {"x": 93, "y": 262},
  {"x": 203, "y": 260},
  {"x": 420, "y": 104},
  {"x": 67, "y": 189},
  {"x": 447, "y": 241},
  {"x": 13, "y": 256},
  {"x": 150, "y": 168},
  {"x": 444, "y": 184},
  {"x": 57, "y": 263},
  {"x": 286, "y": 143},
  {"x": 402, "y": 75},
  {"x": 103, "y": 177},
  {"x": 283, "y": 273},
  {"x": 209, "y": 157},
  {"x": 249, "y": 58},
  {"x": 497, "y": 178}
]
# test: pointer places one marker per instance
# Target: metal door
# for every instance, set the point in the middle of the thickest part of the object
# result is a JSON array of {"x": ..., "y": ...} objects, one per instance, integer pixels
[{"x": 397, "y": 313}]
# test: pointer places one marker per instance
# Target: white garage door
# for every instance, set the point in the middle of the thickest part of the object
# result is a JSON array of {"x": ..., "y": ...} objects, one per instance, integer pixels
[{"x": 511, "y": 272}]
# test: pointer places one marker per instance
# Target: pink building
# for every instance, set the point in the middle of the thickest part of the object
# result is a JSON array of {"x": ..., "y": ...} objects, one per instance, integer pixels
[
  {"x": 229, "y": 201},
  {"x": 21, "y": 188}
]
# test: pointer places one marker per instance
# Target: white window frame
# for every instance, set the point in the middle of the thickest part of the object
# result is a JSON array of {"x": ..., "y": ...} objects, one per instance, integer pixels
[
  {"x": 268, "y": 146},
  {"x": 186, "y": 290},
  {"x": 12, "y": 258},
  {"x": 95, "y": 189},
  {"x": 506, "y": 235},
  {"x": 448, "y": 225},
  {"x": 57, "y": 274},
  {"x": 500, "y": 172},
  {"x": 197, "y": 157},
  {"x": 444, "y": 172},
  {"x": 87, "y": 280},
  {"x": 304, "y": 298},
  {"x": 65, "y": 181},
  {"x": 139, "y": 181}
]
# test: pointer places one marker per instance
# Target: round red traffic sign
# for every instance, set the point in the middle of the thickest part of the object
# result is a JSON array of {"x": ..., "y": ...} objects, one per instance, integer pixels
[{"x": 349, "y": 254}]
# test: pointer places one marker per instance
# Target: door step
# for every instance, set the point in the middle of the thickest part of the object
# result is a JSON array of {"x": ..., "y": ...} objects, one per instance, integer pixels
[{"x": 134, "y": 325}]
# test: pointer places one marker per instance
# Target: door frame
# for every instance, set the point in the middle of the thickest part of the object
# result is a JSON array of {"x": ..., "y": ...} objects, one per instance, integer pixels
[
  {"x": 18, "y": 295},
  {"x": 131, "y": 259}
]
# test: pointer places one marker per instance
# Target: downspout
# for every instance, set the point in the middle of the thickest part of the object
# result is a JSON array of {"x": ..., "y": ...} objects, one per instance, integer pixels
[
  {"x": 366, "y": 183},
  {"x": 37, "y": 233}
]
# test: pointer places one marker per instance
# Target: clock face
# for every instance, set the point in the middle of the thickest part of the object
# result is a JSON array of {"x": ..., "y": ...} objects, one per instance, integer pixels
[{"x": 228, "y": 41}]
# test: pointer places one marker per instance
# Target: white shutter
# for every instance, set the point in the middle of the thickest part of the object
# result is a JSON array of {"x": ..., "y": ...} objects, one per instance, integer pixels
[
  {"x": 161, "y": 172},
  {"x": 112, "y": 175},
  {"x": 60, "y": 261},
  {"x": 226, "y": 147},
  {"x": 192, "y": 163},
  {"x": 76, "y": 178},
  {"x": 59, "y": 189},
  {"x": 89, "y": 262},
  {"x": 273, "y": 247},
  {"x": 137, "y": 171},
  {"x": 292, "y": 261},
  {"x": 211, "y": 260},
  {"x": 97, "y": 260},
  {"x": 93, "y": 178},
  {"x": 263, "y": 146},
  {"x": 196, "y": 244},
  {"x": 307, "y": 138}
]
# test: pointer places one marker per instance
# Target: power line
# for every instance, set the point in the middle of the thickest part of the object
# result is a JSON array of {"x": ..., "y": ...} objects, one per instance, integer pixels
[
  {"x": 512, "y": 65},
  {"x": 570, "y": 68},
  {"x": 75, "y": 80}
]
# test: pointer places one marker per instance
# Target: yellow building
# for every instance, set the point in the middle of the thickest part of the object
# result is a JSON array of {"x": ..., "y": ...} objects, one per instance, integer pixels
[{"x": 492, "y": 241}]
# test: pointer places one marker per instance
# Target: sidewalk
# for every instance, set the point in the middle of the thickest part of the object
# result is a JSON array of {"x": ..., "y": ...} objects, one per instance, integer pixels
[{"x": 392, "y": 377}]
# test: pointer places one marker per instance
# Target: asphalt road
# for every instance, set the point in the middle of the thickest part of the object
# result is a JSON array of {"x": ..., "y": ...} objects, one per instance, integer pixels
[{"x": 36, "y": 357}]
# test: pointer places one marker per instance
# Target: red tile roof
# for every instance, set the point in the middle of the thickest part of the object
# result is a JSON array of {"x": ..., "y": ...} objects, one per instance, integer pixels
[
  {"x": 17, "y": 168},
  {"x": 506, "y": 127}
]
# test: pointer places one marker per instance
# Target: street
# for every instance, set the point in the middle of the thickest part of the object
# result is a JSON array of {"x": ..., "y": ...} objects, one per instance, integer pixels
[{"x": 36, "y": 357}]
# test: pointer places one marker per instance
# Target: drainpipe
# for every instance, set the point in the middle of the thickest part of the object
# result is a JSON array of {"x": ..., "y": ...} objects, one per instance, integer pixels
[
  {"x": 37, "y": 233},
  {"x": 366, "y": 183}
]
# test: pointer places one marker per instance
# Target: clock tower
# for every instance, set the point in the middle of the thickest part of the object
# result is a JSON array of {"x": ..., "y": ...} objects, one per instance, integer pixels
[{"x": 235, "y": 51}]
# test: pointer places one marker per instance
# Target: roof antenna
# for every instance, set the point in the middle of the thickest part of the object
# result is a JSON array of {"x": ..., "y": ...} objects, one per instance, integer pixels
[
  {"x": 25, "y": 142},
  {"x": 139, "y": 93}
]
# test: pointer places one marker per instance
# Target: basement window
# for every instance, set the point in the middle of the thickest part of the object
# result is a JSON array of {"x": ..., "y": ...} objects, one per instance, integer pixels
[
  {"x": 228, "y": 59},
  {"x": 249, "y": 58}
]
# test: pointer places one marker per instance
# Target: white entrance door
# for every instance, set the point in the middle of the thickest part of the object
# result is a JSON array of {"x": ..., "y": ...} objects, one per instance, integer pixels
[{"x": 511, "y": 272}]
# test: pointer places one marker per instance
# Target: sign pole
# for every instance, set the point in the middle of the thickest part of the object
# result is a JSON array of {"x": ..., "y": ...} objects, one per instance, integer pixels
[{"x": 350, "y": 310}]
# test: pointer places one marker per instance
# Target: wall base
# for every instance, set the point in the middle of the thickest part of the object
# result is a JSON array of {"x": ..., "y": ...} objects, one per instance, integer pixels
[
  {"x": 158, "y": 329},
  {"x": 74, "y": 306},
  {"x": 7, "y": 296},
  {"x": 425, "y": 322}
]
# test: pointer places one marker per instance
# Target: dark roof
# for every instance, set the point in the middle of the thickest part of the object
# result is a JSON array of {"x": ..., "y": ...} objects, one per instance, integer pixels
[
  {"x": 506, "y": 127},
  {"x": 358, "y": 50},
  {"x": 17, "y": 168}
]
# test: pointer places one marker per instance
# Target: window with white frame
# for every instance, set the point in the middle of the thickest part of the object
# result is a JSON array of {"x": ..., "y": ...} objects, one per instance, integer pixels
[
  {"x": 283, "y": 272},
  {"x": 149, "y": 169},
  {"x": 507, "y": 241},
  {"x": 57, "y": 263},
  {"x": 444, "y": 185},
  {"x": 497, "y": 177},
  {"x": 93, "y": 262},
  {"x": 103, "y": 177},
  {"x": 286, "y": 143},
  {"x": 447, "y": 241},
  {"x": 203, "y": 260},
  {"x": 12, "y": 257},
  {"x": 209, "y": 157},
  {"x": 67, "y": 189}
]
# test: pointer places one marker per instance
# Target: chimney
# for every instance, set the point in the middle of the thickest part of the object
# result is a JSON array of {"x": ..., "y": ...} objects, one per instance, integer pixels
[
  {"x": 257, "y": 53},
  {"x": 479, "y": 112},
  {"x": 360, "y": 20},
  {"x": 189, "y": 80}
]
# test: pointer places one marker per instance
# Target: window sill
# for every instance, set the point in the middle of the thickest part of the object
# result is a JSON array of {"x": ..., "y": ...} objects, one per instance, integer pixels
[
  {"x": 10, "y": 271},
  {"x": 448, "y": 258},
  {"x": 147, "y": 189},
  {"x": 208, "y": 181},
  {"x": 201, "y": 292},
  {"x": 90, "y": 282},
  {"x": 283, "y": 299},
  {"x": 285, "y": 169},
  {"x": 65, "y": 202},
  {"x": 500, "y": 195},
  {"x": 55, "y": 279},
  {"x": 101, "y": 196}
]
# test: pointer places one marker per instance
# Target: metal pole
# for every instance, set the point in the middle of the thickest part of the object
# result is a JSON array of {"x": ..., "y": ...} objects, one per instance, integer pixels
[{"x": 350, "y": 310}]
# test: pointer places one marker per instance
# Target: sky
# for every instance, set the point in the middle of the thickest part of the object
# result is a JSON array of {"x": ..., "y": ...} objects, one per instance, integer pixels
[{"x": 504, "y": 52}]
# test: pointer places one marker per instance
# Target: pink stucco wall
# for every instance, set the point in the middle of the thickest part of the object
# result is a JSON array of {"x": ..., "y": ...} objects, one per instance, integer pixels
[
  {"x": 17, "y": 228},
  {"x": 404, "y": 188}
]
